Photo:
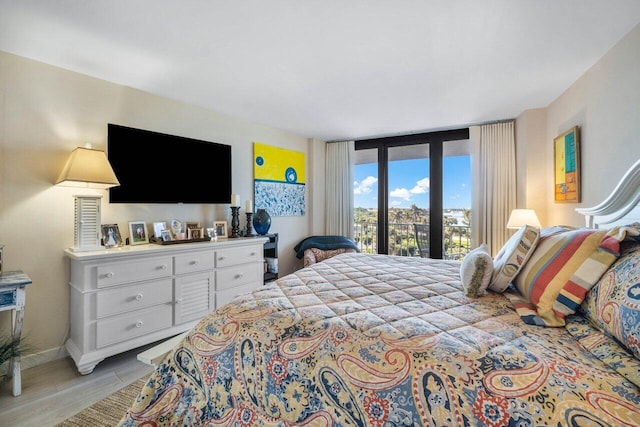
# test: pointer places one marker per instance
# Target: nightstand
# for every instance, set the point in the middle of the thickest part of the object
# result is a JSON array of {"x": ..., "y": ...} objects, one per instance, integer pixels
[{"x": 12, "y": 297}]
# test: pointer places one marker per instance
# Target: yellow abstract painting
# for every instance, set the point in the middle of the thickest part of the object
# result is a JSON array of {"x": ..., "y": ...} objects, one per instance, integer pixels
[
  {"x": 567, "y": 166},
  {"x": 279, "y": 180}
]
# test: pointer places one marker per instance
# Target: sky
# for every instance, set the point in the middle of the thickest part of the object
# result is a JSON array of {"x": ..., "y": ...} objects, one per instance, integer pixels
[{"x": 409, "y": 183}]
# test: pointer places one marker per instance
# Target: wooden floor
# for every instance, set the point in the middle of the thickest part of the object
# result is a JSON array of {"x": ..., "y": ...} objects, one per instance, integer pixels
[{"x": 55, "y": 391}]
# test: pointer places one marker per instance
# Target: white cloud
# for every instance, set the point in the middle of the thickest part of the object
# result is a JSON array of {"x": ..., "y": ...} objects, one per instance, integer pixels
[
  {"x": 396, "y": 203},
  {"x": 401, "y": 193},
  {"x": 421, "y": 187},
  {"x": 364, "y": 187}
]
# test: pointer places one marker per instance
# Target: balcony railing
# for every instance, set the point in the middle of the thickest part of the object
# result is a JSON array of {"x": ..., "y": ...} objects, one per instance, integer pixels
[{"x": 402, "y": 239}]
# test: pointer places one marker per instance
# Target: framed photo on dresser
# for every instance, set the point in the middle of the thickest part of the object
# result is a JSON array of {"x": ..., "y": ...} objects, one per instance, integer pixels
[
  {"x": 111, "y": 236},
  {"x": 220, "y": 228},
  {"x": 138, "y": 232}
]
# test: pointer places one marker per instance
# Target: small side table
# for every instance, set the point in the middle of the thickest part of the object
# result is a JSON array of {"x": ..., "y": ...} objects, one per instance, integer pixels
[{"x": 12, "y": 297}]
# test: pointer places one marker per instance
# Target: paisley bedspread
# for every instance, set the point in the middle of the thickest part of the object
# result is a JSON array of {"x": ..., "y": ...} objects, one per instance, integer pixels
[{"x": 379, "y": 341}]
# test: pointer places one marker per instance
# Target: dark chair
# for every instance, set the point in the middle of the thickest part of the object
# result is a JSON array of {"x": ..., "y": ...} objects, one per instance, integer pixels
[
  {"x": 318, "y": 248},
  {"x": 422, "y": 239}
]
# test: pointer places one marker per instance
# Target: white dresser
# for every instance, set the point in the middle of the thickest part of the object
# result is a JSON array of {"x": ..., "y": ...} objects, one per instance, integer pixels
[{"x": 123, "y": 298}]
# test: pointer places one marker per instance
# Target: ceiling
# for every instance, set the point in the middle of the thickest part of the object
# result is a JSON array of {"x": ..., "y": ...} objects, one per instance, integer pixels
[{"x": 331, "y": 69}]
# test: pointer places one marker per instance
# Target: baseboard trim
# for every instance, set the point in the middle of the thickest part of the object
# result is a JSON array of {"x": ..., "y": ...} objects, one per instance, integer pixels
[{"x": 43, "y": 357}]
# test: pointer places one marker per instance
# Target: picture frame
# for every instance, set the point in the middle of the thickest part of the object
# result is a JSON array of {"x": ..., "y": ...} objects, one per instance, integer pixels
[
  {"x": 211, "y": 233},
  {"x": 165, "y": 235},
  {"x": 176, "y": 226},
  {"x": 566, "y": 167},
  {"x": 157, "y": 229},
  {"x": 138, "y": 232},
  {"x": 194, "y": 233},
  {"x": 111, "y": 236},
  {"x": 189, "y": 225},
  {"x": 220, "y": 228}
]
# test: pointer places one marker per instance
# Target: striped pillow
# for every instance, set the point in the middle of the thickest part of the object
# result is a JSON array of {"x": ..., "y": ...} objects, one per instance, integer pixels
[
  {"x": 513, "y": 256},
  {"x": 561, "y": 271}
]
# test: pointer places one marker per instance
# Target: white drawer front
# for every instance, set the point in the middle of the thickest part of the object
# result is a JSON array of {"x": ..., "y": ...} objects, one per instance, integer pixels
[
  {"x": 235, "y": 256},
  {"x": 132, "y": 325},
  {"x": 123, "y": 272},
  {"x": 235, "y": 276},
  {"x": 197, "y": 261},
  {"x": 225, "y": 296},
  {"x": 134, "y": 297}
]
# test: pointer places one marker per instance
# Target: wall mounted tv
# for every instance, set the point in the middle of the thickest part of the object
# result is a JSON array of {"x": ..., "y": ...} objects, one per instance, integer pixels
[{"x": 155, "y": 167}]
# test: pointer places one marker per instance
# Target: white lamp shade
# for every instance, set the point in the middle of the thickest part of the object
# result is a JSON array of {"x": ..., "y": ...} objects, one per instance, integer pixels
[
  {"x": 88, "y": 168},
  {"x": 520, "y": 217}
]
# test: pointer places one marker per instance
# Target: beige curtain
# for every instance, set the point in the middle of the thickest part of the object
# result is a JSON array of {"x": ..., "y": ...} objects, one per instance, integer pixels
[
  {"x": 339, "y": 189},
  {"x": 494, "y": 177}
]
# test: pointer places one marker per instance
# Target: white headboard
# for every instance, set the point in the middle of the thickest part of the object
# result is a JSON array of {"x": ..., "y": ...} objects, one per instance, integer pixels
[{"x": 621, "y": 207}]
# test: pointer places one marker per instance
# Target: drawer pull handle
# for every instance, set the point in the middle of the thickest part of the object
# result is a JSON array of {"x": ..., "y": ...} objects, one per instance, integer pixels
[
  {"x": 139, "y": 324},
  {"x": 239, "y": 276},
  {"x": 194, "y": 262},
  {"x": 139, "y": 297},
  {"x": 178, "y": 301},
  {"x": 162, "y": 267},
  {"x": 220, "y": 258},
  {"x": 253, "y": 254},
  {"x": 109, "y": 275}
]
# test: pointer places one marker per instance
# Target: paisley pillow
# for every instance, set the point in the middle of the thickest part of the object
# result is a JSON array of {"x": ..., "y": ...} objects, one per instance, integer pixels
[
  {"x": 476, "y": 271},
  {"x": 613, "y": 304},
  {"x": 512, "y": 257}
]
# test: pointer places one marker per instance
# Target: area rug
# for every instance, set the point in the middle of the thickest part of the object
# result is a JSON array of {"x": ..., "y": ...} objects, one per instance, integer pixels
[{"x": 108, "y": 411}]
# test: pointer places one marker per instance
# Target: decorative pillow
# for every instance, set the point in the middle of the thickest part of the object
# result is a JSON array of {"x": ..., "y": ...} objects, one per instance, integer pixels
[
  {"x": 512, "y": 257},
  {"x": 561, "y": 271},
  {"x": 313, "y": 255},
  {"x": 613, "y": 305},
  {"x": 476, "y": 271}
]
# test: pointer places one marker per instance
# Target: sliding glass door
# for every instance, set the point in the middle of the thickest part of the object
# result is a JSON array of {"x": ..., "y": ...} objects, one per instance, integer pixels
[{"x": 411, "y": 193}]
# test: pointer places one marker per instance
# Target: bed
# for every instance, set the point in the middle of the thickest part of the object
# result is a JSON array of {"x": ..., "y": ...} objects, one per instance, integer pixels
[{"x": 396, "y": 341}]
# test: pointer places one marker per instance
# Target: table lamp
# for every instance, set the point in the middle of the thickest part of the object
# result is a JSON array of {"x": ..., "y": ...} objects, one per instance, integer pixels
[
  {"x": 87, "y": 168},
  {"x": 520, "y": 217}
]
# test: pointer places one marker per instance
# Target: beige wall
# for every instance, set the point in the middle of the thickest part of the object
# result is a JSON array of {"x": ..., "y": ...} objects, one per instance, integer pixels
[
  {"x": 45, "y": 112},
  {"x": 605, "y": 103},
  {"x": 531, "y": 162}
]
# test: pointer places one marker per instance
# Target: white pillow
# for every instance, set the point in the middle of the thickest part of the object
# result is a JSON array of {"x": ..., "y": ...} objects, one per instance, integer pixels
[
  {"x": 512, "y": 257},
  {"x": 476, "y": 271}
]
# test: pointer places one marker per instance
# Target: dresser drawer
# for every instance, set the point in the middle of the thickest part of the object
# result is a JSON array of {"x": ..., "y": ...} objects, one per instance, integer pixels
[
  {"x": 124, "y": 272},
  {"x": 235, "y": 256},
  {"x": 226, "y": 295},
  {"x": 235, "y": 276},
  {"x": 132, "y": 325},
  {"x": 134, "y": 297},
  {"x": 197, "y": 261}
]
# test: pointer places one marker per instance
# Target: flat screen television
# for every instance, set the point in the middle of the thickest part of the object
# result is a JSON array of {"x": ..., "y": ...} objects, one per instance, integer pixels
[{"x": 155, "y": 167}]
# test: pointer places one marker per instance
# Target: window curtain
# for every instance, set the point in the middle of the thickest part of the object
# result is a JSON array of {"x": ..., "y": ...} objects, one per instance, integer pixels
[
  {"x": 494, "y": 177},
  {"x": 339, "y": 189}
]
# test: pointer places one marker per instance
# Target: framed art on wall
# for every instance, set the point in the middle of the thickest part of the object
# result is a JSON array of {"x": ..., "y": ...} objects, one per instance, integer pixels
[
  {"x": 111, "y": 236},
  {"x": 138, "y": 232},
  {"x": 566, "y": 168}
]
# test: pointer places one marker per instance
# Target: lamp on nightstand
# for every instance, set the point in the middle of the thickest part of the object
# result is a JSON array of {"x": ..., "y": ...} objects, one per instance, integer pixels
[
  {"x": 520, "y": 217},
  {"x": 87, "y": 168}
]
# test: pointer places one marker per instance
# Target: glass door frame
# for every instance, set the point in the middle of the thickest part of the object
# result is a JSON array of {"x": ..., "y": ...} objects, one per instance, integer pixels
[{"x": 435, "y": 141}]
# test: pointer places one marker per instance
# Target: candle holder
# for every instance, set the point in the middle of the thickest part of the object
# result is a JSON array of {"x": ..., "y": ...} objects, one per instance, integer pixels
[
  {"x": 235, "y": 221},
  {"x": 250, "y": 232}
]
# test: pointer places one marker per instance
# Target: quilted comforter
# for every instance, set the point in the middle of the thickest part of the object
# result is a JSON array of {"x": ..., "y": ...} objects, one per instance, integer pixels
[{"x": 380, "y": 341}]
